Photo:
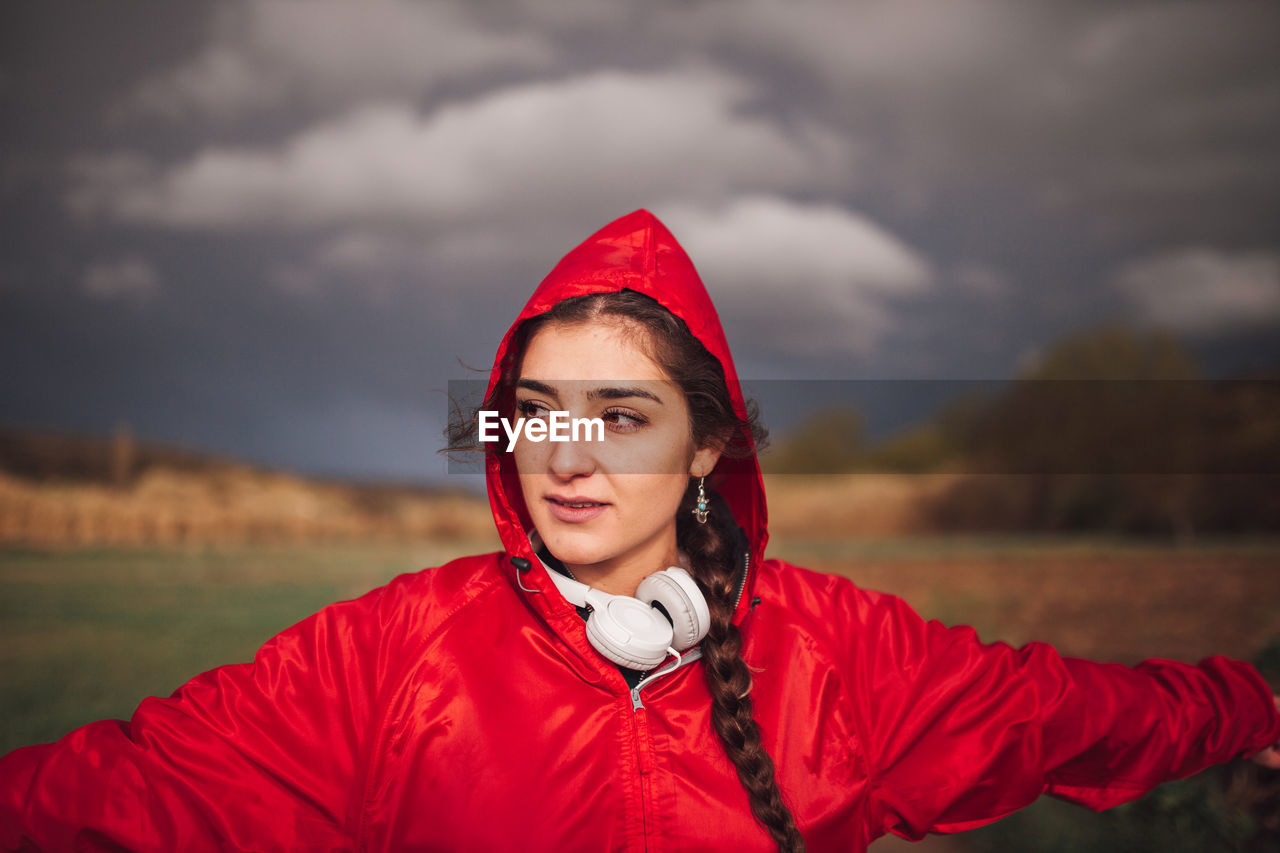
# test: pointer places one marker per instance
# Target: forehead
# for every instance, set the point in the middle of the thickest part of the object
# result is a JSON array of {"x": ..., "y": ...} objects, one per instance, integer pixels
[{"x": 589, "y": 351}]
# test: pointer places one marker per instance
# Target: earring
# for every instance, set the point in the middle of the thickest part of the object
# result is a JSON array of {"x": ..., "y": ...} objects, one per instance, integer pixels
[{"x": 700, "y": 512}]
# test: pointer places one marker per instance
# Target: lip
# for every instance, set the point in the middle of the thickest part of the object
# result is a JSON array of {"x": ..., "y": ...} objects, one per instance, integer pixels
[{"x": 573, "y": 515}]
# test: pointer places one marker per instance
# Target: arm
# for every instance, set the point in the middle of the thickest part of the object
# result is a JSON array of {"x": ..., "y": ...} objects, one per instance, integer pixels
[
  {"x": 964, "y": 733},
  {"x": 263, "y": 756}
]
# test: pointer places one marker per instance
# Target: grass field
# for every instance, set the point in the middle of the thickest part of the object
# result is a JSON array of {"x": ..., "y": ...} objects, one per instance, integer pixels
[{"x": 86, "y": 634}]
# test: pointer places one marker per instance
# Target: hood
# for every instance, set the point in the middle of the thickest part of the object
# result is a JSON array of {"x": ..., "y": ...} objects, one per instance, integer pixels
[{"x": 635, "y": 252}]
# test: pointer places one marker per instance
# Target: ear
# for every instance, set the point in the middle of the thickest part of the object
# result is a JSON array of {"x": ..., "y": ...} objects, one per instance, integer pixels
[{"x": 704, "y": 460}]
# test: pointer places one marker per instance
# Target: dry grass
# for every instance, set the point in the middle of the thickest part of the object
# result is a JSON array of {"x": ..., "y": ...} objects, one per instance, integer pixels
[
  {"x": 853, "y": 505},
  {"x": 230, "y": 506},
  {"x": 1090, "y": 599}
]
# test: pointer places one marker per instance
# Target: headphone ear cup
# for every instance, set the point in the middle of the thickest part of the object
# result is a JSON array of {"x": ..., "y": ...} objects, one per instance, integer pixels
[
  {"x": 679, "y": 597},
  {"x": 627, "y": 631}
]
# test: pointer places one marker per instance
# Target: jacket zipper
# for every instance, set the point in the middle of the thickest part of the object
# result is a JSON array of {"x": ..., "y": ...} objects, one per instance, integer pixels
[
  {"x": 742, "y": 584},
  {"x": 640, "y": 722},
  {"x": 688, "y": 657},
  {"x": 640, "y": 731}
]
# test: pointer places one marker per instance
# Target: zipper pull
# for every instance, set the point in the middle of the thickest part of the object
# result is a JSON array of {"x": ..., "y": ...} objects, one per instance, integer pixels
[{"x": 641, "y": 727}]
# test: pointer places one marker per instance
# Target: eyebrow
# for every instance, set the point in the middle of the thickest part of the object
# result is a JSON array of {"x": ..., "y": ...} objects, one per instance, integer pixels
[{"x": 602, "y": 393}]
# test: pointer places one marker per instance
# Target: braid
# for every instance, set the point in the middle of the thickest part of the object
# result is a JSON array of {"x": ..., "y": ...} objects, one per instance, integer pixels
[{"x": 729, "y": 679}]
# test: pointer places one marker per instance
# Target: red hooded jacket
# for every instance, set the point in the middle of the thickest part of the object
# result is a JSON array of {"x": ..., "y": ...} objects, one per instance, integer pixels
[{"x": 462, "y": 707}]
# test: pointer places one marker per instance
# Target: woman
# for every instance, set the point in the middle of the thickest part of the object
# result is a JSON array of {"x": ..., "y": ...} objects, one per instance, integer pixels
[{"x": 488, "y": 704}]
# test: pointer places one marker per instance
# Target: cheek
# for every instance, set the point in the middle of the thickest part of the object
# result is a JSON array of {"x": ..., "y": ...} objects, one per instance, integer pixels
[
  {"x": 531, "y": 473},
  {"x": 531, "y": 482},
  {"x": 655, "y": 496},
  {"x": 655, "y": 454},
  {"x": 530, "y": 457}
]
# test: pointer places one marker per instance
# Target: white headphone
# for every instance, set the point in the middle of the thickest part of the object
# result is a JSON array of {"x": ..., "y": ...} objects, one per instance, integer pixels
[{"x": 667, "y": 615}]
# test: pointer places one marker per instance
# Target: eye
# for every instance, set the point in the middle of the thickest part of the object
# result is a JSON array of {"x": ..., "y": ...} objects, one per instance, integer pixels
[
  {"x": 624, "y": 420},
  {"x": 531, "y": 409}
]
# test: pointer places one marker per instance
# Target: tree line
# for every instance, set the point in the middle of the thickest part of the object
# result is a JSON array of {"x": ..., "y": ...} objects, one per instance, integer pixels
[{"x": 1110, "y": 430}]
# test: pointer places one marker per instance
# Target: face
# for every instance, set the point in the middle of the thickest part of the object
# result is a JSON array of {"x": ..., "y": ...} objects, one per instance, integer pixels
[{"x": 605, "y": 508}]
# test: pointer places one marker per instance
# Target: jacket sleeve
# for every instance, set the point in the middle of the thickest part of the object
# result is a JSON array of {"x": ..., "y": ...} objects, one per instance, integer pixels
[
  {"x": 256, "y": 756},
  {"x": 963, "y": 733}
]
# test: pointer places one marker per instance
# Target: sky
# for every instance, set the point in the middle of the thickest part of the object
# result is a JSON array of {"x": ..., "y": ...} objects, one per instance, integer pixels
[{"x": 279, "y": 229}]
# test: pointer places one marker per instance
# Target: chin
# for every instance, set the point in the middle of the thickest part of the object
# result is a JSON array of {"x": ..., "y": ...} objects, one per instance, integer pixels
[{"x": 574, "y": 546}]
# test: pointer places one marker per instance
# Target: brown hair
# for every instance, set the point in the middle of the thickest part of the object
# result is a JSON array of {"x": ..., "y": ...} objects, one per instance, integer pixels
[{"x": 712, "y": 420}]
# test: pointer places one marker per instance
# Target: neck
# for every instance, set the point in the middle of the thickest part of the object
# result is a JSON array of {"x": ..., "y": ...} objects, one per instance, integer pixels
[{"x": 622, "y": 575}]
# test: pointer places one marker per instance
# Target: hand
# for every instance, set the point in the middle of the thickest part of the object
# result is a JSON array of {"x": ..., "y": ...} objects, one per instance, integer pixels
[{"x": 1270, "y": 757}]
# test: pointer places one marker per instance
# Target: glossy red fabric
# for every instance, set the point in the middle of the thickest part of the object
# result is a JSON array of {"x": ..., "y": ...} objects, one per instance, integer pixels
[{"x": 454, "y": 710}]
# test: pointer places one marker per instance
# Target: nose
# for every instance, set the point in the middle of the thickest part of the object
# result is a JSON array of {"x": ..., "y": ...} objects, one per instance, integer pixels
[{"x": 569, "y": 459}]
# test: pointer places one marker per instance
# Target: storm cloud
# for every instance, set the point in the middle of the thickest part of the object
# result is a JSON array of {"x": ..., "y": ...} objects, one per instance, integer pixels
[{"x": 276, "y": 228}]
